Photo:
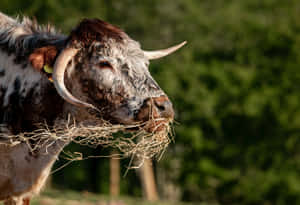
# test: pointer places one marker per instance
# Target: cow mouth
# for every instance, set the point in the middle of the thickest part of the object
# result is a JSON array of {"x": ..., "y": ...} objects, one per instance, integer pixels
[
  {"x": 157, "y": 125},
  {"x": 145, "y": 120},
  {"x": 150, "y": 125},
  {"x": 148, "y": 117}
]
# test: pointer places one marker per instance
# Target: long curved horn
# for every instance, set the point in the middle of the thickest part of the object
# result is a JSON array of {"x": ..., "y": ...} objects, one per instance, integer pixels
[
  {"x": 58, "y": 77},
  {"x": 151, "y": 55}
]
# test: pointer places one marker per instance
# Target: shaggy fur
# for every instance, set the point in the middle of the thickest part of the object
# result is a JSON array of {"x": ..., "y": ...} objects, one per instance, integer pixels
[{"x": 21, "y": 38}]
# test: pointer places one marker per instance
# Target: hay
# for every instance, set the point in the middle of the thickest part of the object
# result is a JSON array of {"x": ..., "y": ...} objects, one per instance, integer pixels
[{"x": 138, "y": 143}]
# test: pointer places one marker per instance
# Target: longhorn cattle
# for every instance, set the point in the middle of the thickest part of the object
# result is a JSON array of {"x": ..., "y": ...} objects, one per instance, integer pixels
[{"x": 97, "y": 65}]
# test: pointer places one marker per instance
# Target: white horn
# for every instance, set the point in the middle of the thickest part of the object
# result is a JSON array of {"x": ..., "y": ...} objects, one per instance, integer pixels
[
  {"x": 58, "y": 77},
  {"x": 151, "y": 55}
]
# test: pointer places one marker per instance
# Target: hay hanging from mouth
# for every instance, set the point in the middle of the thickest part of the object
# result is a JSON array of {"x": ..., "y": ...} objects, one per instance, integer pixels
[{"x": 138, "y": 143}]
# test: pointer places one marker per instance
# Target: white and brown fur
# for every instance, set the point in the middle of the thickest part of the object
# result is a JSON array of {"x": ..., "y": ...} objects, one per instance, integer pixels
[
  {"x": 124, "y": 88},
  {"x": 25, "y": 95}
]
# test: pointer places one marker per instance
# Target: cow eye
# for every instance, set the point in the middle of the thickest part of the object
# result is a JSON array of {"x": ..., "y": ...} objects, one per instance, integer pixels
[{"x": 105, "y": 64}]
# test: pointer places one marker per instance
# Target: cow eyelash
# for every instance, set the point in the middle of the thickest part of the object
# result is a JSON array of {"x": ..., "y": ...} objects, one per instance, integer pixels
[{"x": 105, "y": 64}]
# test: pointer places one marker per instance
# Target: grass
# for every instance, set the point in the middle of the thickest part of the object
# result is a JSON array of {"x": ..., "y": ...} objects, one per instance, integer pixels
[{"x": 65, "y": 197}]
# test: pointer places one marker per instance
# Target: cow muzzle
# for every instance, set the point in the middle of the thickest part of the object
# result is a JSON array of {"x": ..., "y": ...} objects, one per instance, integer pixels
[{"x": 156, "y": 113}]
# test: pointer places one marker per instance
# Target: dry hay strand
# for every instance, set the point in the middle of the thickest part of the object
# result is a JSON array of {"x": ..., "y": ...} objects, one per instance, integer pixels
[{"x": 138, "y": 143}]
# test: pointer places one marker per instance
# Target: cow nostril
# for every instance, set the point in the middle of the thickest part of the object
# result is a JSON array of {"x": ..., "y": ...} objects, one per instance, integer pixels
[
  {"x": 164, "y": 106},
  {"x": 160, "y": 107}
]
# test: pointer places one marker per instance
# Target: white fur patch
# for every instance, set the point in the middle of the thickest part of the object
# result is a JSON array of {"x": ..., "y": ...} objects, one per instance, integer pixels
[{"x": 28, "y": 78}]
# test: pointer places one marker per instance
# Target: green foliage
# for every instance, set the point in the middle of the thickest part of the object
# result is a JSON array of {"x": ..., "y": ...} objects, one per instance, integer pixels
[{"x": 235, "y": 88}]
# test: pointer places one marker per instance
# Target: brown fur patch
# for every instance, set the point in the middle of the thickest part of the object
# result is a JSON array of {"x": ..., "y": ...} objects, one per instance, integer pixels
[
  {"x": 91, "y": 30},
  {"x": 43, "y": 56}
]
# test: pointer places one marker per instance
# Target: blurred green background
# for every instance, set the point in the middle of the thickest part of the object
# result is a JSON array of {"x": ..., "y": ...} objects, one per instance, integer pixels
[{"x": 235, "y": 88}]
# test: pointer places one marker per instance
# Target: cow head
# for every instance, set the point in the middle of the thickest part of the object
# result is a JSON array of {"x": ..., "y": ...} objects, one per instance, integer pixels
[{"x": 102, "y": 68}]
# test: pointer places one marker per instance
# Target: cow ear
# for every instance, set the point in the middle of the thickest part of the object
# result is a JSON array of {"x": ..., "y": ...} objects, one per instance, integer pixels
[{"x": 44, "y": 56}]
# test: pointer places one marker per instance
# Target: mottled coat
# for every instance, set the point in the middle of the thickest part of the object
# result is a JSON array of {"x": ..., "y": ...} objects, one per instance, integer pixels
[
  {"x": 108, "y": 72},
  {"x": 26, "y": 97}
]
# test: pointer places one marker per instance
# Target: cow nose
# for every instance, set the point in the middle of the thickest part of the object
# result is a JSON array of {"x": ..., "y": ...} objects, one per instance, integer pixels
[{"x": 164, "y": 107}]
